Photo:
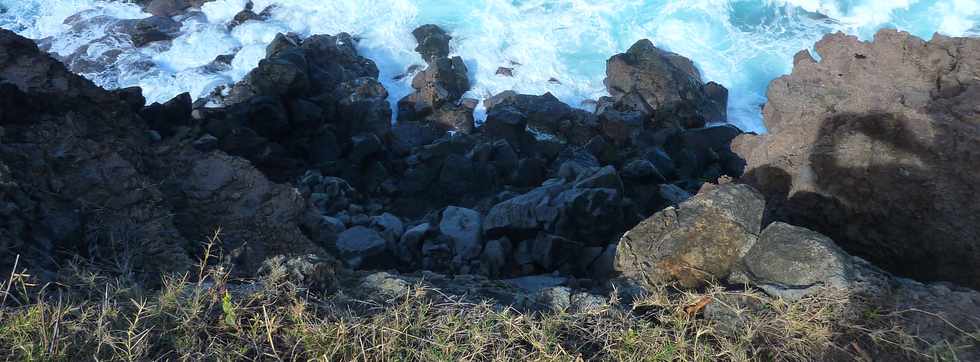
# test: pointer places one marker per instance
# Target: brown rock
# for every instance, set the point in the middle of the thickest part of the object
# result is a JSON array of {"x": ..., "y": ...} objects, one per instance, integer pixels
[
  {"x": 698, "y": 242},
  {"x": 876, "y": 146}
]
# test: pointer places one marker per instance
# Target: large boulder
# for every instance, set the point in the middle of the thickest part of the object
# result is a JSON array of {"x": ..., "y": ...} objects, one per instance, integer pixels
[
  {"x": 874, "y": 146},
  {"x": 793, "y": 262},
  {"x": 258, "y": 218},
  {"x": 440, "y": 85},
  {"x": 699, "y": 241},
  {"x": 668, "y": 84},
  {"x": 545, "y": 116}
]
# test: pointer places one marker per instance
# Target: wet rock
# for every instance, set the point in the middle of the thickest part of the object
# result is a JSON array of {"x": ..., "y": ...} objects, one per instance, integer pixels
[
  {"x": 335, "y": 60},
  {"x": 247, "y": 14},
  {"x": 443, "y": 83},
  {"x": 166, "y": 8},
  {"x": 668, "y": 83},
  {"x": 433, "y": 42},
  {"x": 506, "y": 72},
  {"x": 148, "y": 30},
  {"x": 165, "y": 117},
  {"x": 546, "y": 116},
  {"x": 364, "y": 102},
  {"x": 507, "y": 123}
]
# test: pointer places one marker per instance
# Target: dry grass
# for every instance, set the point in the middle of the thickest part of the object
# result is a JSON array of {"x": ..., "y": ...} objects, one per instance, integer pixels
[{"x": 92, "y": 317}]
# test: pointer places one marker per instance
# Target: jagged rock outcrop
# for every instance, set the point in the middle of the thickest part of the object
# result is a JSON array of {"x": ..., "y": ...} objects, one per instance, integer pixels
[
  {"x": 873, "y": 145},
  {"x": 439, "y": 88},
  {"x": 664, "y": 86}
]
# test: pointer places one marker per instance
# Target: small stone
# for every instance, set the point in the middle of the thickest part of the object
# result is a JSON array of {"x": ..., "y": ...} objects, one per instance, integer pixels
[{"x": 506, "y": 72}]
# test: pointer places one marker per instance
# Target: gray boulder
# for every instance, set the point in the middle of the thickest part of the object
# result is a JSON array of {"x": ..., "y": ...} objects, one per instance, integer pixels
[
  {"x": 464, "y": 228},
  {"x": 792, "y": 262}
]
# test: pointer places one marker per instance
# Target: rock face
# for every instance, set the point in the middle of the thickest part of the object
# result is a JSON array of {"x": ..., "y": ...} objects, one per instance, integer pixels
[
  {"x": 82, "y": 176},
  {"x": 70, "y": 156},
  {"x": 870, "y": 146},
  {"x": 700, "y": 241}
]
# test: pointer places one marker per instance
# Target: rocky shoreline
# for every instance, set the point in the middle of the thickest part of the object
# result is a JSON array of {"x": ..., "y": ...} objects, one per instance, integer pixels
[{"x": 542, "y": 205}]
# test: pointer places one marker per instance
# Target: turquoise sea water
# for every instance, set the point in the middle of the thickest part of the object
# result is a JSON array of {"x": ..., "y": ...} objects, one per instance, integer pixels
[{"x": 742, "y": 44}]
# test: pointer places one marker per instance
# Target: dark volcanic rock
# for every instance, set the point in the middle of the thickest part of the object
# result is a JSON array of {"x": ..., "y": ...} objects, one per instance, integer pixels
[
  {"x": 145, "y": 31},
  {"x": 546, "y": 116},
  {"x": 433, "y": 42},
  {"x": 81, "y": 179},
  {"x": 164, "y": 118},
  {"x": 169, "y": 8},
  {"x": 72, "y": 185},
  {"x": 439, "y": 87},
  {"x": 873, "y": 146},
  {"x": 668, "y": 83}
]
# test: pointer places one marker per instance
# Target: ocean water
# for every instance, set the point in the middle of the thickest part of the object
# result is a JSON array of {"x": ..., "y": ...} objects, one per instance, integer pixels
[{"x": 742, "y": 44}]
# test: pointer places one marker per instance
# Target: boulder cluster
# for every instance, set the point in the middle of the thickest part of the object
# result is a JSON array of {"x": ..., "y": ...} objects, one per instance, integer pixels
[{"x": 539, "y": 187}]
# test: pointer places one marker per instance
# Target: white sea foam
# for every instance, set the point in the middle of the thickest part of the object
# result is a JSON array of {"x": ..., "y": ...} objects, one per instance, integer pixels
[{"x": 741, "y": 44}]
